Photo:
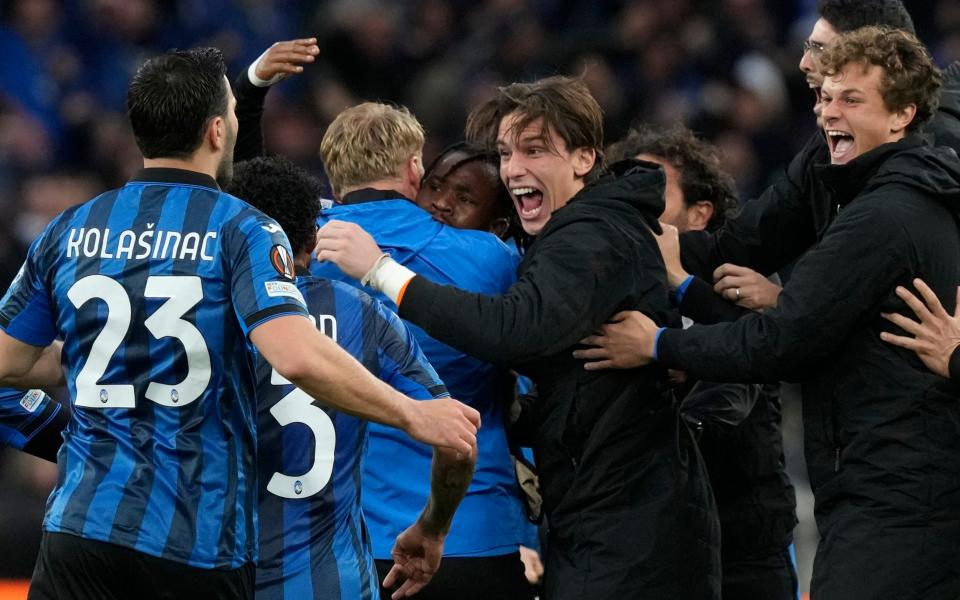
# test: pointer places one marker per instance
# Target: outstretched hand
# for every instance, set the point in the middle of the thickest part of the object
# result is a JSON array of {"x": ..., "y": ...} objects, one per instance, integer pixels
[
  {"x": 283, "y": 59},
  {"x": 416, "y": 558},
  {"x": 348, "y": 246},
  {"x": 745, "y": 287},
  {"x": 626, "y": 342},
  {"x": 936, "y": 334}
]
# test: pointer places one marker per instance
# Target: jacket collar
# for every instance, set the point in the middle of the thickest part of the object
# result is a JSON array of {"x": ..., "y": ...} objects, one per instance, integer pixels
[{"x": 847, "y": 181}]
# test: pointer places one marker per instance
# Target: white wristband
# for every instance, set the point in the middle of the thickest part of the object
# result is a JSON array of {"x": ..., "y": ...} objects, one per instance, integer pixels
[
  {"x": 388, "y": 276},
  {"x": 252, "y": 73}
]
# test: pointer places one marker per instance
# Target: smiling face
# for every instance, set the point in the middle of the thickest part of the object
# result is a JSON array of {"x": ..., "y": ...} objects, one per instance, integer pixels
[
  {"x": 823, "y": 33},
  {"x": 461, "y": 194},
  {"x": 855, "y": 117},
  {"x": 540, "y": 172}
]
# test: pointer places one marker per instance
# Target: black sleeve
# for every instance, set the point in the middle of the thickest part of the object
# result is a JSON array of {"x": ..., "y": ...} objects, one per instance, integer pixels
[
  {"x": 250, "y": 99},
  {"x": 706, "y": 307},
  {"x": 720, "y": 404},
  {"x": 768, "y": 232},
  {"x": 46, "y": 443},
  {"x": 954, "y": 365},
  {"x": 576, "y": 278},
  {"x": 836, "y": 286}
]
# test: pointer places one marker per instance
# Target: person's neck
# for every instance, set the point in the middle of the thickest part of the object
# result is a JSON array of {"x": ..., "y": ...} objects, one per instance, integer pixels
[
  {"x": 187, "y": 164},
  {"x": 396, "y": 184},
  {"x": 302, "y": 260}
]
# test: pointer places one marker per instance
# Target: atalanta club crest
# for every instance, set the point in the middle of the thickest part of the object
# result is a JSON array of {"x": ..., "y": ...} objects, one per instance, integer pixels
[{"x": 282, "y": 261}]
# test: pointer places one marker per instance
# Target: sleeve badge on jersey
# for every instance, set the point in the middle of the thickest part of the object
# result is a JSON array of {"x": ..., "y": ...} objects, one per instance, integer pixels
[
  {"x": 282, "y": 261},
  {"x": 31, "y": 400},
  {"x": 285, "y": 289}
]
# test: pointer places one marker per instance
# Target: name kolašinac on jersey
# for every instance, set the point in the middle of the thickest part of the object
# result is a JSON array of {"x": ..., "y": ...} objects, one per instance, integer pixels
[
  {"x": 23, "y": 414},
  {"x": 153, "y": 289},
  {"x": 313, "y": 543}
]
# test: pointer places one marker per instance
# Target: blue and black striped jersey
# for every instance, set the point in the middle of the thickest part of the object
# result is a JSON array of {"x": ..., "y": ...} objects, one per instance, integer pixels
[
  {"x": 313, "y": 542},
  {"x": 153, "y": 289},
  {"x": 23, "y": 414}
]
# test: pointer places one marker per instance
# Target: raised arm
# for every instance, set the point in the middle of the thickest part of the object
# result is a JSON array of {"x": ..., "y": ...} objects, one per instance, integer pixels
[{"x": 280, "y": 60}]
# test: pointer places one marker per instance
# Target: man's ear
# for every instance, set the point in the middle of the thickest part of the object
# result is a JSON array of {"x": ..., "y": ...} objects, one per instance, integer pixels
[
  {"x": 583, "y": 160},
  {"x": 413, "y": 171},
  {"x": 500, "y": 226},
  {"x": 699, "y": 215},
  {"x": 902, "y": 118},
  {"x": 216, "y": 133}
]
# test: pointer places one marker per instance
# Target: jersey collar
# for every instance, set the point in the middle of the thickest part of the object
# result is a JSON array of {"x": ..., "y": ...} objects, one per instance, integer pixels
[{"x": 169, "y": 175}]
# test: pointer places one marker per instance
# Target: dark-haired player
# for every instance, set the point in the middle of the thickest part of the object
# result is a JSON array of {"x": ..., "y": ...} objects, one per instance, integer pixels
[
  {"x": 462, "y": 188},
  {"x": 313, "y": 541}
]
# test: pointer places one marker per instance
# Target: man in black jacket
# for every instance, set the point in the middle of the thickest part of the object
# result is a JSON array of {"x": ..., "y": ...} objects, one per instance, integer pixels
[
  {"x": 624, "y": 488},
  {"x": 771, "y": 232},
  {"x": 882, "y": 433},
  {"x": 739, "y": 422}
]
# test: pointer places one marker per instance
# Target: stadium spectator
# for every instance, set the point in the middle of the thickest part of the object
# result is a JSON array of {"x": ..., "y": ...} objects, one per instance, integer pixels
[
  {"x": 741, "y": 440},
  {"x": 313, "y": 539},
  {"x": 155, "y": 492},
  {"x": 624, "y": 489},
  {"x": 882, "y": 436},
  {"x": 372, "y": 157}
]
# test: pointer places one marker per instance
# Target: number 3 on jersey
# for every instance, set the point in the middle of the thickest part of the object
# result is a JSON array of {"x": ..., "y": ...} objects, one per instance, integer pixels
[
  {"x": 298, "y": 407},
  {"x": 182, "y": 294}
]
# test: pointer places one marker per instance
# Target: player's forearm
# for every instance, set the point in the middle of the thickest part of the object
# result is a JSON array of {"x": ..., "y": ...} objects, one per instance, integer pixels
[
  {"x": 450, "y": 476},
  {"x": 336, "y": 379}
]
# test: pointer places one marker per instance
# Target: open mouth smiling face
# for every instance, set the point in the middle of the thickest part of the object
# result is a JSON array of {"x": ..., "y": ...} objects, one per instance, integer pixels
[
  {"x": 855, "y": 117},
  {"x": 538, "y": 169}
]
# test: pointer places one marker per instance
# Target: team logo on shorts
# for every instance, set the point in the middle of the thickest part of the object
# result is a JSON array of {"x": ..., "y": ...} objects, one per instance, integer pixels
[{"x": 282, "y": 261}]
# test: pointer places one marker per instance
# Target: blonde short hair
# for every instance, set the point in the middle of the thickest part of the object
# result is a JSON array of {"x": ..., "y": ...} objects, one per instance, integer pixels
[{"x": 369, "y": 142}]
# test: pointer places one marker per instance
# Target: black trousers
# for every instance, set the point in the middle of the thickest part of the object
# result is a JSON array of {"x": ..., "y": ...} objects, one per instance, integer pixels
[
  {"x": 74, "y": 568},
  {"x": 771, "y": 577},
  {"x": 474, "y": 578}
]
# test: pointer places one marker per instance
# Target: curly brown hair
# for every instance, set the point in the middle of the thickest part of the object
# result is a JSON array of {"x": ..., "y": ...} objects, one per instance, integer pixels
[
  {"x": 701, "y": 176},
  {"x": 909, "y": 75}
]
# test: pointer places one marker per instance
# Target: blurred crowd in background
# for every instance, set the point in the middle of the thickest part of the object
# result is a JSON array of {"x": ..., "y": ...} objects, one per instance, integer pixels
[{"x": 726, "y": 68}]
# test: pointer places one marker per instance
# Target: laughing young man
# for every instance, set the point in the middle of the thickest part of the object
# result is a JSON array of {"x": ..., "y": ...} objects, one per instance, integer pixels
[
  {"x": 882, "y": 433},
  {"x": 773, "y": 231},
  {"x": 625, "y": 491}
]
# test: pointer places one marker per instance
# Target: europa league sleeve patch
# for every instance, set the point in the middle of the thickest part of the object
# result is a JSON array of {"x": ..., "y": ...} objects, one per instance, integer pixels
[{"x": 282, "y": 261}]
